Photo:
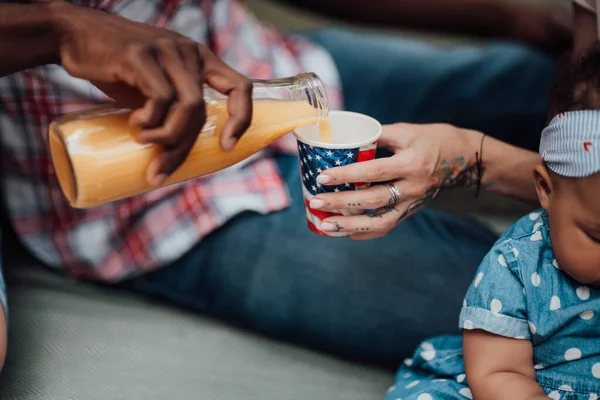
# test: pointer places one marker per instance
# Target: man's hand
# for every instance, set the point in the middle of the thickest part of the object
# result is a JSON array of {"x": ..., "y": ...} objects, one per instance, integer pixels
[
  {"x": 156, "y": 72},
  {"x": 168, "y": 70}
]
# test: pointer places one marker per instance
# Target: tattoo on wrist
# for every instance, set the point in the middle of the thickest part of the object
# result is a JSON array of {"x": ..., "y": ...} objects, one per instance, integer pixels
[
  {"x": 454, "y": 174},
  {"x": 457, "y": 173}
]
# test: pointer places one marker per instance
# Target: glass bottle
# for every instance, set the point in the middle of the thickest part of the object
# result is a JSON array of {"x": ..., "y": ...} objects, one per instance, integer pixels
[{"x": 98, "y": 159}]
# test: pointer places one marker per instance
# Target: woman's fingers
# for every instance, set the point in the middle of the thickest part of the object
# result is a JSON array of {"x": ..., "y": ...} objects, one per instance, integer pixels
[
  {"x": 378, "y": 170},
  {"x": 372, "y": 198},
  {"x": 368, "y": 236},
  {"x": 376, "y": 224},
  {"x": 381, "y": 221}
]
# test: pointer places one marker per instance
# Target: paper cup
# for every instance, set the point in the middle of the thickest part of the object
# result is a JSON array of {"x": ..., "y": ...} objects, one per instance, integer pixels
[{"x": 354, "y": 139}]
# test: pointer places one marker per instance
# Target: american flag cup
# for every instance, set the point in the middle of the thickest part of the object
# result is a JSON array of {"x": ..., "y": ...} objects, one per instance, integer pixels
[{"x": 353, "y": 139}]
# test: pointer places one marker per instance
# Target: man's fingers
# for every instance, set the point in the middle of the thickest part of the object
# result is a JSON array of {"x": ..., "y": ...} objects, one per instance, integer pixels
[
  {"x": 193, "y": 61},
  {"x": 144, "y": 72},
  {"x": 162, "y": 166},
  {"x": 182, "y": 125},
  {"x": 239, "y": 106},
  {"x": 239, "y": 102},
  {"x": 378, "y": 170}
]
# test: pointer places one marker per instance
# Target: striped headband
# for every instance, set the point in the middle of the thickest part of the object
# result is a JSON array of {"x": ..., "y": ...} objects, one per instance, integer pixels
[{"x": 570, "y": 144}]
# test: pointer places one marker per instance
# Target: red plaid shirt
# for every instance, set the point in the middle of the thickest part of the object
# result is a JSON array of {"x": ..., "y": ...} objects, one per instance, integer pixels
[{"x": 149, "y": 231}]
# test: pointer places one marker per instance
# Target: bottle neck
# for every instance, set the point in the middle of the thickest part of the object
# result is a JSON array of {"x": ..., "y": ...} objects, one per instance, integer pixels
[{"x": 306, "y": 88}]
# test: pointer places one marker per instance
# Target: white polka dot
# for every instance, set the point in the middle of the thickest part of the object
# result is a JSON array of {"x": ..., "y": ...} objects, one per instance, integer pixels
[
  {"x": 408, "y": 362},
  {"x": 425, "y": 396},
  {"x": 566, "y": 388},
  {"x": 460, "y": 378},
  {"x": 538, "y": 367},
  {"x": 524, "y": 292},
  {"x": 554, "y": 303},
  {"x": 534, "y": 216},
  {"x": 515, "y": 252},
  {"x": 554, "y": 395},
  {"x": 464, "y": 304},
  {"x": 537, "y": 225},
  {"x": 532, "y": 327},
  {"x": 502, "y": 260},
  {"x": 468, "y": 325},
  {"x": 596, "y": 370},
  {"x": 587, "y": 315},
  {"x": 593, "y": 396},
  {"x": 412, "y": 384},
  {"x": 407, "y": 375},
  {"x": 555, "y": 264},
  {"x": 496, "y": 306},
  {"x": 438, "y": 380},
  {"x": 583, "y": 292},
  {"x": 536, "y": 237},
  {"x": 478, "y": 279},
  {"x": 428, "y": 355},
  {"x": 466, "y": 392},
  {"x": 572, "y": 354},
  {"x": 426, "y": 346},
  {"x": 391, "y": 389},
  {"x": 535, "y": 279}
]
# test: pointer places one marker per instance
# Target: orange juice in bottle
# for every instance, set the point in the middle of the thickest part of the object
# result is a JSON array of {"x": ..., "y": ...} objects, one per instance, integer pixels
[{"x": 98, "y": 159}]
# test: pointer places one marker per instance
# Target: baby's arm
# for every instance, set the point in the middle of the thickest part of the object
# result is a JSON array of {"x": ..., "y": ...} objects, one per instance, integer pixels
[
  {"x": 497, "y": 329},
  {"x": 500, "y": 368}
]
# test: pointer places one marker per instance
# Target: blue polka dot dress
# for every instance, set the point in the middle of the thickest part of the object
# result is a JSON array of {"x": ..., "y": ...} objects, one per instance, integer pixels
[{"x": 519, "y": 292}]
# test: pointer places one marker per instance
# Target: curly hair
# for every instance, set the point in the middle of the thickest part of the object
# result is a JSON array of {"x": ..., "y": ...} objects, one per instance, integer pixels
[{"x": 578, "y": 84}]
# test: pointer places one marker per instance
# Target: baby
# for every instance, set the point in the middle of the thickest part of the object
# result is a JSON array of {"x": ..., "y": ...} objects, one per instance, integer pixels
[{"x": 531, "y": 318}]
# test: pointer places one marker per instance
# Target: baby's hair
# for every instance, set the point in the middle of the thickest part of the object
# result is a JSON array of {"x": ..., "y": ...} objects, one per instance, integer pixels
[{"x": 578, "y": 84}]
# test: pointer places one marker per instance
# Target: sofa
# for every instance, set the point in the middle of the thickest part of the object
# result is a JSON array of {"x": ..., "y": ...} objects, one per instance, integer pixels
[{"x": 71, "y": 341}]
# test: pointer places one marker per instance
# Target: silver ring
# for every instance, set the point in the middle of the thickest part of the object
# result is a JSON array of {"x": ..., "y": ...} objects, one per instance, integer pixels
[{"x": 394, "y": 194}]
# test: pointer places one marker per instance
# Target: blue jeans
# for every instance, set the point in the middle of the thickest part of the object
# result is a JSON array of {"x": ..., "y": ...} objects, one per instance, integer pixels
[{"x": 375, "y": 300}]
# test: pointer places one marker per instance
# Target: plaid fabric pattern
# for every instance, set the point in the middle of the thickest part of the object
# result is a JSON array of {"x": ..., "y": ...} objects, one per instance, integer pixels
[{"x": 146, "y": 232}]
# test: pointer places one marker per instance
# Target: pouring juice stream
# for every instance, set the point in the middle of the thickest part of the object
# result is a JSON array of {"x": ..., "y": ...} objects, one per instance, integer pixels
[{"x": 325, "y": 134}]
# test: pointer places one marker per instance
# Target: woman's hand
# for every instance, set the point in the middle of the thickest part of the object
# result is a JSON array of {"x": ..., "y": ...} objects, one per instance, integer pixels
[{"x": 426, "y": 160}]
